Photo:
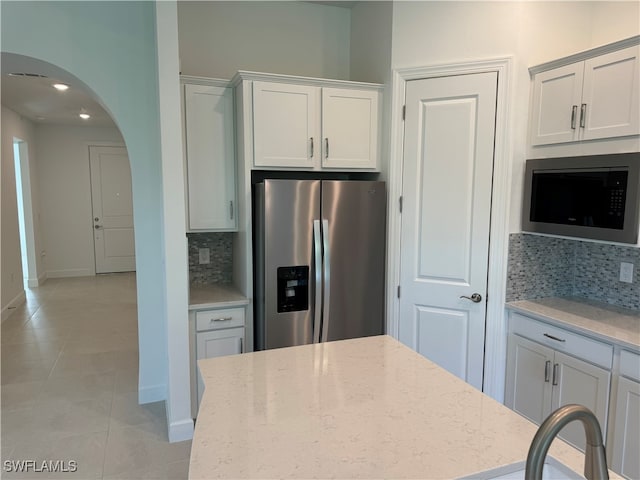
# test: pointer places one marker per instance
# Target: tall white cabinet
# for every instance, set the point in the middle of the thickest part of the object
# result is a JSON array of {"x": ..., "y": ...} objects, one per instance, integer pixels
[{"x": 210, "y": 159}]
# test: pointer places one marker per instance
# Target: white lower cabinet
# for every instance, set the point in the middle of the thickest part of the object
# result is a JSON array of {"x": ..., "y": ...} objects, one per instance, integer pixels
[
  {"x": 624, "y": 440},
  {"x": 541, "y": 378},
  {"x": 218, "y": 332}
]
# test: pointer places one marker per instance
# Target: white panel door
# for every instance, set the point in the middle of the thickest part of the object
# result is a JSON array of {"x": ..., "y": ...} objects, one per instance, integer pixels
[
  {"x": 112, "y": 203},
  {"x": 626, "y": 438},
  {"x": 217, "y": 343},
  {"x": 610, "y": 95},
  {"x": 286, "y": 125},
  {"x": 556, "y": 101},
  {"x": 576, "y": 381},
  {"x": 447, "y": 176},
  {"x": 349, "y": 128},
  {"x": 528, "y": 380},
  {"x": 211, "y": 174}
]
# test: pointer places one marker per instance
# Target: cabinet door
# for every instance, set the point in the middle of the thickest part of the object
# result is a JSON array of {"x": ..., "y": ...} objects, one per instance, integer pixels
[
  {"x": 217, "y": 343},
  {"x": 610, "y": 95},
  {"x": 286, "y": 121},
  {"x": 349, "y": 128},
  {"x": 576, "y": 381},
  {"x": 556, "y": 105},
  {"x": 210, "y": 151},
  {"x": 626, "y": 438},
  {"x": 528, "y": 383}
]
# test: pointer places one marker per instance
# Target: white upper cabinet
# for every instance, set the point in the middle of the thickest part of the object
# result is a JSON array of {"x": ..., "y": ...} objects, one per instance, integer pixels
[
  {"x": 595, "y": 98},
  {"x": 610, "y": 95},
  {"x": 210, "y": 158},
  {"x": 296, "y": 123},
  {"x": 349, "y": 128},
  {"x": 286, "y": 125}
]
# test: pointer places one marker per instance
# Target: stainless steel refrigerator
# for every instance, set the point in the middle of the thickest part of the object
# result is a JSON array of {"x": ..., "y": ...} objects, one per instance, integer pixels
[{"x": 319, "y": 261}]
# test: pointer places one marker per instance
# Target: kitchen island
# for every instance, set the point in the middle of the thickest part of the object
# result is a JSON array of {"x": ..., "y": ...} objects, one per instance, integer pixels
[{"x": 362, "y": 408}]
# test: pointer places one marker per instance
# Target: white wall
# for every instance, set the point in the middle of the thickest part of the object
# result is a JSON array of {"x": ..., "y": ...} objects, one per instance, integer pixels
[
  {"x": 64, "y": 189},
  {"x": 296, "y": 38},
  {"x": 428, "y": 33},
  {"x": 110, "y": 48},
  {"x": 12, "y": 290}
]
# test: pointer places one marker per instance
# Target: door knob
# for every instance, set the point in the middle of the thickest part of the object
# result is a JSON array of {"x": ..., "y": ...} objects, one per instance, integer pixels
[{"x": 475, "y": 298}]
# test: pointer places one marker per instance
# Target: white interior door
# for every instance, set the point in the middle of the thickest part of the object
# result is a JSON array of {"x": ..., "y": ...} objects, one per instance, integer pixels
[
  {"x": 112, "y": 209},
  {"x": 447, "y": 177}
]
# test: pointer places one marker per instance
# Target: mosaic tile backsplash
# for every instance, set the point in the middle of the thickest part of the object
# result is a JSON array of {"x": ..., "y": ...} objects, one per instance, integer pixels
[
  {"x": 542, "y": 266},
  {"x": 219, "y": 269}
]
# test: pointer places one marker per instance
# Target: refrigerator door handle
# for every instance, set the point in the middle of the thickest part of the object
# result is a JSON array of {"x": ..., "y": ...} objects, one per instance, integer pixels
[
  {"x": 317, "y": 309},
  {"x": 327, "y": 280}
]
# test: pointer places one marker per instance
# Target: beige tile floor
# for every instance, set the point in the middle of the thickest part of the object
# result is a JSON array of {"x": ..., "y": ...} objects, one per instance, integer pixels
[{"x": 69, "y": 385}]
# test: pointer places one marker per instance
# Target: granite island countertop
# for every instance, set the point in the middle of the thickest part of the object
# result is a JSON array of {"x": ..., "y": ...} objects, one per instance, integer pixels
[
  {"x": 363, "y": 408},
  {"x": 606, "y": 322},
  {"x": 215, "y": 296}
]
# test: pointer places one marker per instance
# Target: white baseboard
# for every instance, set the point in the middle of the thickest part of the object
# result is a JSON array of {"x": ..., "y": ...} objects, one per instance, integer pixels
[
  {"x": 73, "y": 272},
  {"x": 154, "y": 393},
  {"x": 14, "y": 303},
  {"x": 181, "y": 430}
]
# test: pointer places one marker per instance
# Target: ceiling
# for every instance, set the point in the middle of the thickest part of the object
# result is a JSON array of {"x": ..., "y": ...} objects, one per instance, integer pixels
[{"x": 34, "y": 98}]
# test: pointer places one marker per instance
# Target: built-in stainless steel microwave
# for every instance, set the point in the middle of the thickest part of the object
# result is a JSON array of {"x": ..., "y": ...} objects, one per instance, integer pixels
[{"x": 589, "y": 197}]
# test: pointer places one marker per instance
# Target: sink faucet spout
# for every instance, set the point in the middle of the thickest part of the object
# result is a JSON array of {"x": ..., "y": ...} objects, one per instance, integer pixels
[{"x": 595, "y": 466}]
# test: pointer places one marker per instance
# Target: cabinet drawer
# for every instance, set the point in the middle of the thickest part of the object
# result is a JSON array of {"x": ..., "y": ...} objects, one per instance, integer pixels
[
  {"x": 217, "y": 319},
  {"x": 562, "y": 340},
  {"x": 630, "y": 365}
]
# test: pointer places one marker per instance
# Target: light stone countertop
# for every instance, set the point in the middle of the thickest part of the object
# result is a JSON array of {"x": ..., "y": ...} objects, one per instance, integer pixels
[
  {"x": 596, "y": 319},
  {"x": 362, "y": 408},
  {"x": 215, "y": 296}
]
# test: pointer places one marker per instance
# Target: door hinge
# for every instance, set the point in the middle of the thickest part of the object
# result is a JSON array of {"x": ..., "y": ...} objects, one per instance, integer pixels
[
  {"x": 404, "y": 111},
  {"x": 398, "y": 291},
  {"x": 400, "y": 203}
]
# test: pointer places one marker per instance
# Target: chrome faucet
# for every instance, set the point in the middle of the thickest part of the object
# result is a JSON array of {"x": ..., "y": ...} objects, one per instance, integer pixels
[{"x": 595, "y": 462}]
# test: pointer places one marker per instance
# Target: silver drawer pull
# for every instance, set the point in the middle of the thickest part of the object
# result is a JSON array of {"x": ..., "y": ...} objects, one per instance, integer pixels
[
  {"x": 222, "y": 319},
  {"x": 554, "y": 338}
]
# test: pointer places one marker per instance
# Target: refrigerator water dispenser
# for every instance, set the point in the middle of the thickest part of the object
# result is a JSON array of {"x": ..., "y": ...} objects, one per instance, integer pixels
[{"x": 293, "y": 289}]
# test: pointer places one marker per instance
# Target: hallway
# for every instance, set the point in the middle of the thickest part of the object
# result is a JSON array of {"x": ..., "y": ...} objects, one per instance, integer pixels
[{"x": 69, "y": 385}]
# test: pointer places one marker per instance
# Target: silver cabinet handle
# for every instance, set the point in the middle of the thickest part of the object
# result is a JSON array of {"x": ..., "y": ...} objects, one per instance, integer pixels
[
  {"x": 555, "y": 374},
  {"x": 574, "y": 110},
  {"x": 311, "y": 141},
  {"x": 547, "y": 367},
  {"x": 475, "y": 298},
  {"x": 583, "y": 115},
  {"x": 554, "y": 338},
  {"x": 326, "y": 148},
  {"x": 221, "y": 319},
  {"x": 231, "y": 210}
]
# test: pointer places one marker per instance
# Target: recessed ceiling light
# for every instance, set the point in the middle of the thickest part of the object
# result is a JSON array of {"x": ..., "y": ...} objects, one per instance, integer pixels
[
  {"x": 61, "y": 86},
  {"x": 85, "y": 116}
]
